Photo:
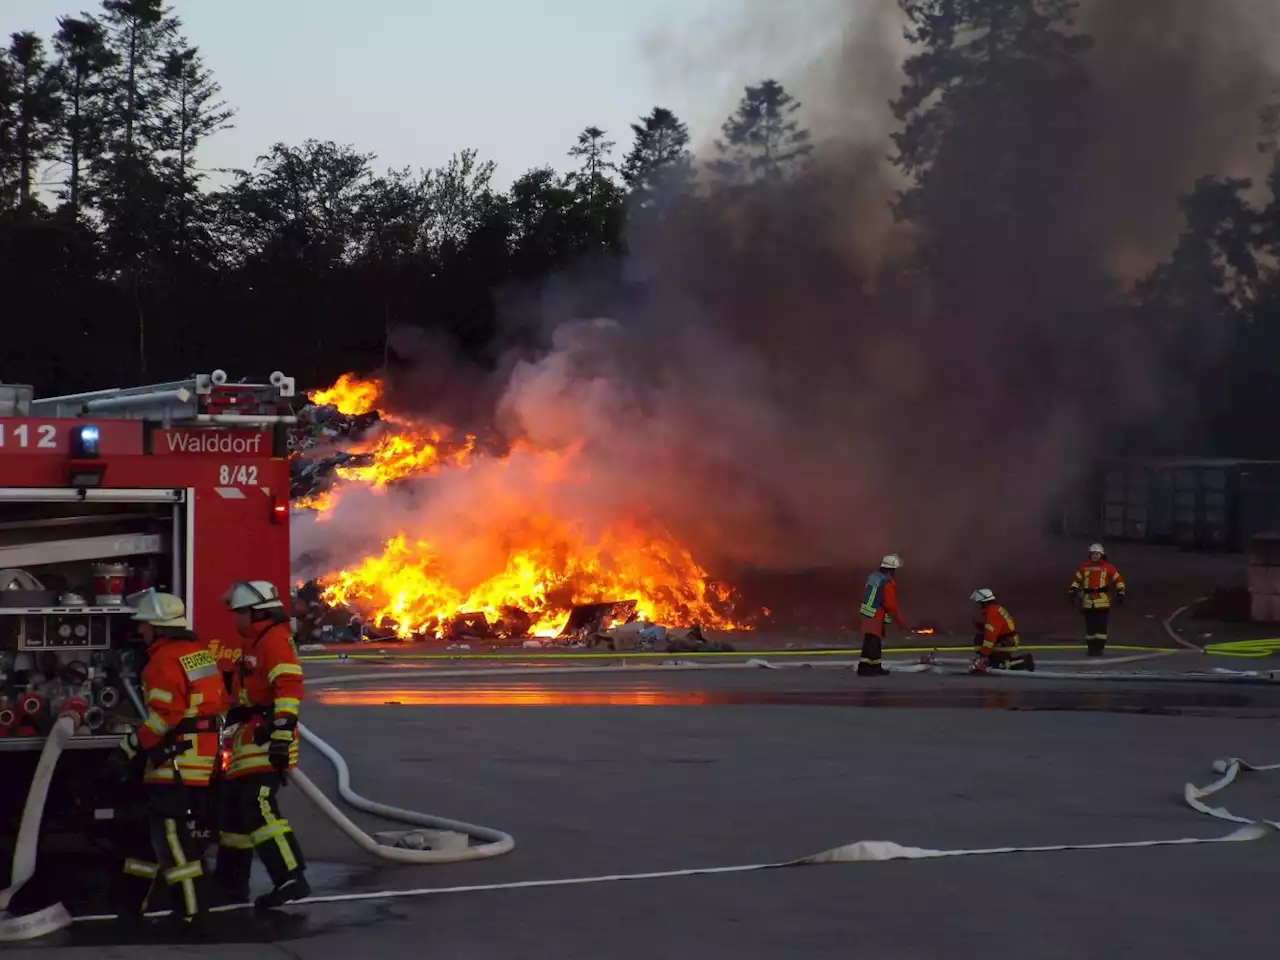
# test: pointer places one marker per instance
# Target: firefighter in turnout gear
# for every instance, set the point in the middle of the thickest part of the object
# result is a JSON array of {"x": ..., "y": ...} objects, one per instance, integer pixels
[
  {"x": 1091, "y": 590},
  {"x": 175, "y": 750},
  {"x": 267, "y": 691},
  {"x": 879, "y": 607},
  {"x": 995, "y": 646}
]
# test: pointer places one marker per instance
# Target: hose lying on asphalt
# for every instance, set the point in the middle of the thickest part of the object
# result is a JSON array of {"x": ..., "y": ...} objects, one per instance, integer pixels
[
  {"x": 55, "y": 917},
  {"x": 494, "y": 842}
]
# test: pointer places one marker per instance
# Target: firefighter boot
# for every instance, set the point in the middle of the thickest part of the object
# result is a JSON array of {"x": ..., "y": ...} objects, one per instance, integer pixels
[
  {"x": 869, "y": 663},
  {"x": 131, "y": 891},
  {"x": 294, "y": 887},
  {"x": 232, "y": 875}
]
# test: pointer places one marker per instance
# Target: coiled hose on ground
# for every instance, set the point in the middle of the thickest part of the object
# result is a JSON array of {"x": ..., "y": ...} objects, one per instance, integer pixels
[{"x": 493, "y": 842}]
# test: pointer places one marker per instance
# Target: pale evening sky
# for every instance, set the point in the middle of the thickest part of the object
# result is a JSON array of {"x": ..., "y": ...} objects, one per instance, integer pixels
[{"x": 416, "y": 80}]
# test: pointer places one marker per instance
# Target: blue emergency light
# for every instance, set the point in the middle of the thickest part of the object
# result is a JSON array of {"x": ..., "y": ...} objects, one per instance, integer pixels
[{"x": 84, "y": 442}]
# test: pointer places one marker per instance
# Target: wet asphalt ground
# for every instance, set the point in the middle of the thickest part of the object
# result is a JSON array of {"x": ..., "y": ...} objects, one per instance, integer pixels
[{"x": 603, "y": 774}]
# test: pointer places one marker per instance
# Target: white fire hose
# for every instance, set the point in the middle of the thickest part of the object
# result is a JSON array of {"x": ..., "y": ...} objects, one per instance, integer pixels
[{"x": 55, "y": 917}]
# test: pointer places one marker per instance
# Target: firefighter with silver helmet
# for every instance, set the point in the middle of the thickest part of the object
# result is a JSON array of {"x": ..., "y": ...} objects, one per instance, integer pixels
[
  {"x": 1091, "y": 590},
  {"x": 267, "y": 691},
  {"x": 174, "y": 751},
  {"x": 879, "y": 607},
  {"x": 996, "y": 643}
]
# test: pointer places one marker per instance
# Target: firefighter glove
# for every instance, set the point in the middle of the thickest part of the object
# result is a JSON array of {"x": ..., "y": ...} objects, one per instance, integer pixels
[
  {"x": 278, "y": 752},
  {"x": 121, "y": 767},
  {"x": 240, "y": 713}
]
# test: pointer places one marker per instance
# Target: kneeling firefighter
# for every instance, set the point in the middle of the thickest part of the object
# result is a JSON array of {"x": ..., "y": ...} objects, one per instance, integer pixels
[
  {"x": 267, "y": 691},
  {"x": 996, "y": 643},
  {"x": 176, "y": 748}
]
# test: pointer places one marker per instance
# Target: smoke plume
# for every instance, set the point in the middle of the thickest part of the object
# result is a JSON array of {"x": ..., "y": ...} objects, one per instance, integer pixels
[{"x": 779, "y": 394}]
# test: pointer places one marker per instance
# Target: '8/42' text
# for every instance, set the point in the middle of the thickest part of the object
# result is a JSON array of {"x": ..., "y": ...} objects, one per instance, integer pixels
[{"x": 241, "y": 476}]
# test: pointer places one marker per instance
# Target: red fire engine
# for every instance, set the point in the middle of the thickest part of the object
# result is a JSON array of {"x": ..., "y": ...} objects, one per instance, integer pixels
[{"x": 180, "y": 486}]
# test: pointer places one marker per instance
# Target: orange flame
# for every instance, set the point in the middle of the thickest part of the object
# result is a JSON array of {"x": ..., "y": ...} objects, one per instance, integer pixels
[
  {"x": 523, "y": 563},
  {"x": 351, "y": 396},
  {"x": 413, "y": 449}
]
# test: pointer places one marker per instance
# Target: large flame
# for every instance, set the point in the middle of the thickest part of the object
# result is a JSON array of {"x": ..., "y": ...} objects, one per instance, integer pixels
[
  {"x": 525, "y": 558},
  {"x": 405, "y": 448},
  {"x": 350, "y": 396}
]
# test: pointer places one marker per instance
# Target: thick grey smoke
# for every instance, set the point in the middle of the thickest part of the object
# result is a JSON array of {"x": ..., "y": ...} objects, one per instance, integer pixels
[{"x": 781, "y": 396}]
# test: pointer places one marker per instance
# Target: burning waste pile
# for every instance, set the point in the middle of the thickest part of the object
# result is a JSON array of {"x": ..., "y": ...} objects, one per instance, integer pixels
[{"x": 404, "y": 529}]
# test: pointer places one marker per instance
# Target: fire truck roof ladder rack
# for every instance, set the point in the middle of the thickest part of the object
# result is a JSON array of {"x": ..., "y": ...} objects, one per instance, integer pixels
[{"x": 201, "y": 398}]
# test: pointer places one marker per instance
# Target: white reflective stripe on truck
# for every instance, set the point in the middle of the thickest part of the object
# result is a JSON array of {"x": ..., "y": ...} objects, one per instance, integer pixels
[{"x": 92, "y": 494}]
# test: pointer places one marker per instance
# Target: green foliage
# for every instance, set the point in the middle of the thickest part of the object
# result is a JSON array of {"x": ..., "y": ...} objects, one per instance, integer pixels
[
  {"x": 659, "y": 163},
  {"x": 763, "y": 140},
  {"x": 33, "y": 110},
  {"x": 993, "y": 120}
]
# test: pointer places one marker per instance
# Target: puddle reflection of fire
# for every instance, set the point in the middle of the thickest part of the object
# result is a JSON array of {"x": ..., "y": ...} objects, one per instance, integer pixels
[{"x": 509, "y": 696}]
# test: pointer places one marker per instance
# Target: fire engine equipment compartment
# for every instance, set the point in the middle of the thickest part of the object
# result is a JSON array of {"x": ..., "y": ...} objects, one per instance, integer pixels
[{"x": 67, "y": 642}]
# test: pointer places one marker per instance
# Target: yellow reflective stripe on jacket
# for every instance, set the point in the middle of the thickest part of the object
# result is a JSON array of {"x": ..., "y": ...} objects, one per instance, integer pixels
[
  {"x": 256, "y": 758},
  {"x": 283, "y": 670},
  {"x": 155, "y": 724},
  {"x": 159, "y": 696},
  {"x": 287, "y": 705}
]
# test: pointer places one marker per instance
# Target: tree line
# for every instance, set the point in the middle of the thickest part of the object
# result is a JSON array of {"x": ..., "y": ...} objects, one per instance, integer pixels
[{"x": 118, "y": 262}]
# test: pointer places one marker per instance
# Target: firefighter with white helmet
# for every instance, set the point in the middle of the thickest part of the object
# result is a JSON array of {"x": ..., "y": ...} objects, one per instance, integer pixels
[
  {"x": 1091, "y": 590},
  {"x": 879, "y": 607},
  {"x": 996, "y": 643},
  {"x": 266, "y": 691},
  {"x": 175, "y": 751}
]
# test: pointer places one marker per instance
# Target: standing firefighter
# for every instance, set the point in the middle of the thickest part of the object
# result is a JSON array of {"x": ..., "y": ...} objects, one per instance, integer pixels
[
  {"x": 177, "y": 746},
  {"x": 996, "y": 643},
  {"x": 879, "y": 607},
  {"x": 267, "y": 688},
  {"x": 1091, "y": 589}
]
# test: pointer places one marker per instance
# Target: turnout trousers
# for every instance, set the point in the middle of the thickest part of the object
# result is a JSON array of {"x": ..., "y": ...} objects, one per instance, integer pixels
[
  {"x": 1095, "y": 629},
  {"x": 251, "y": 822},
  {"x": 870, "y": 662},
  {"x": 170, "y": 851}
]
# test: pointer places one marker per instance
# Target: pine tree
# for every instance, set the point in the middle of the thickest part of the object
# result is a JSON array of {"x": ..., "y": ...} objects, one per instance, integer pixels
[
  {"x": 600, "y": 196},
  {"x": 659, "y": 160},
  {"x": 83, "y": 64},
  {"x": 186, "y": 112},
  {"x": 36, "y": 111},
  {"x": 763, "y": 140},
  {"x": 128, "y": 185},
  {"x": 8, "y": 150},
  {"x": 993, "y": 116},
  {"x": 593, "y": 150}
]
